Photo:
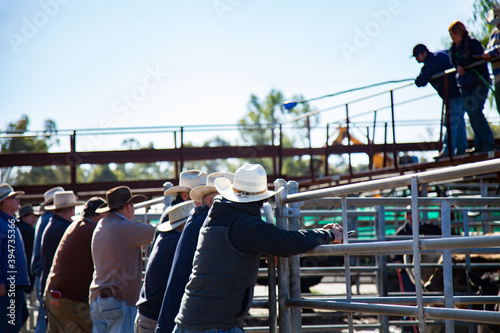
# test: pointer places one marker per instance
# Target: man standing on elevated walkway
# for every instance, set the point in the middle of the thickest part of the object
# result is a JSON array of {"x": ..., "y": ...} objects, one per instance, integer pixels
[
  {"x": 435, "y": 63},
  {"x": 493, "y": 50}
]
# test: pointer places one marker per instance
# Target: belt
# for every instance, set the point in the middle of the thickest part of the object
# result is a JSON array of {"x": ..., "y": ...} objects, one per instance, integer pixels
[{"x": 105, "y": 292}]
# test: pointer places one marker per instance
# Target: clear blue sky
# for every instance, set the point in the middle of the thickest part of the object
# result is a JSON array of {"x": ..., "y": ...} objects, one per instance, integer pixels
[{"x": 101, "y": 64}]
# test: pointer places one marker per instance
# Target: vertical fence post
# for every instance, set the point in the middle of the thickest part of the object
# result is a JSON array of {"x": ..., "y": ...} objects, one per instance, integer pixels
[
  {"x": 271, "y": 278},
  {"x": 348, "y": 132},
  {"x": 273, "y": 143},
  {"x": 382, "y": 265},
  {"x": 311, "y": 157},
  {"x": 176, "y": 165},
  {"x": 416, "y": 252},
  {"x": 281, "y": 151},
  {"x": 167, "y": 200},
  {"x": 292, "y": 187},
  {"x": 447, "y": 264},
  {"x": 465, "y": 217},
  {"x": 326, "y": 149},
  {"x": 283, "y": 287},
  {"x": 394, "y": 149},
  {"x": 370, "y": 149},
  {"x": 385, "y": 144},
  {"x": 448, "y": 118},
  {"x": 347, "y": 264},
  {"x": 73, "y": 161},
  {"x": 182, "y": 149}
]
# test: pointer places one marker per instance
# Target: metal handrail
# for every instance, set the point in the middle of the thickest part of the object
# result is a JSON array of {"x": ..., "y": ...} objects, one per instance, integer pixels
[{"x": 453, "y": 172}]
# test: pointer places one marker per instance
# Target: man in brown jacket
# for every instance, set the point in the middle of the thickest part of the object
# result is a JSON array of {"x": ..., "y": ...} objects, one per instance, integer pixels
[{"x": 67, "y": 291}]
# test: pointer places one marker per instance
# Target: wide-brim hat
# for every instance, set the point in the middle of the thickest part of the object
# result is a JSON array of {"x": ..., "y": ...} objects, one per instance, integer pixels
[
  {"x": 64, "y": 199},
  {"x": 199, "y": 192},
  {"x": 27, "y": 210},
  {"x": 118, "y": 197},
  {"x": 188, "y": 180},
  {"x": 250, "y": 185},
  {"x": 177, "y": 215},
  {"x": 493, "y": 16},
  {"x": 48, "y": 196},
  {"x": 7, "y": 191}
]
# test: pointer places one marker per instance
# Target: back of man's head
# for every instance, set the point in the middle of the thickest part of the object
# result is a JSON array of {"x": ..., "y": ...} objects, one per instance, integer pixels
[
  {"x": 419, "y": 48},
  {"x": 91, "y": 205}
]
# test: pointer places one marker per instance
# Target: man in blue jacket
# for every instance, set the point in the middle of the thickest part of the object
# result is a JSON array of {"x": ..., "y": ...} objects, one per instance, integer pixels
[
  {"x": 184, "y": 252},
  {"x": 435, "y": 63},
  {"x": 36, "y": 261},
  {"x": 13, "y": 265},
  {"x": 231, "y": 242},
  {"x": 158, "y": 268}
]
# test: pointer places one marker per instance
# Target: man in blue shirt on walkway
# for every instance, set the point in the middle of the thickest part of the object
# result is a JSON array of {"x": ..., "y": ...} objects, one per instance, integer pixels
[{"x": 435, "y": 63}]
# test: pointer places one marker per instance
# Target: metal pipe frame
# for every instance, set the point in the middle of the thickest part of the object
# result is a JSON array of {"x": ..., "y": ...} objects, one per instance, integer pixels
[
  {"x": 490, "y": 317},
  {"x": 407, "y": 246},
  {"x": 460, "y": 171},
  {"x": 415, "y": 246}
]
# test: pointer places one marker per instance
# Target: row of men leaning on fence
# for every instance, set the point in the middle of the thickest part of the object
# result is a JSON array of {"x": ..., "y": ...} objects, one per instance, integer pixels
[{"x": 200, "y": 274}]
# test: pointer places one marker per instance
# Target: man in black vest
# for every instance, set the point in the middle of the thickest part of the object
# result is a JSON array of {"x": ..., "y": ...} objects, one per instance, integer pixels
[{"x": 231, "y": 242}]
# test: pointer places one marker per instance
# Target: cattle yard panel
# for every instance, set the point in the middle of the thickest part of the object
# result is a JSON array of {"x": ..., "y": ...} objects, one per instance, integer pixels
[{"x": 381, "y": 248}]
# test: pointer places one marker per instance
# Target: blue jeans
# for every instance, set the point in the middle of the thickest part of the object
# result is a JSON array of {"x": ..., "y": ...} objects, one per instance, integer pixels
[
  {"x": 182, "y": 329},
  {"x": 457, "y": 128},
  {"x": 110, "y": 315},
  {"x": 474, "y": 102},
  {"x": 41, "y": 323}
]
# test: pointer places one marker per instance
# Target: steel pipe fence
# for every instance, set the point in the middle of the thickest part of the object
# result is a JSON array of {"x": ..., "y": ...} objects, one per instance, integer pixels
[{"x": 285, "y": 212}]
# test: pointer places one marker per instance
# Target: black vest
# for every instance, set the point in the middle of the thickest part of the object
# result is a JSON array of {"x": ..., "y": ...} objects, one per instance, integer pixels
[{"x": 220, "y": 290}]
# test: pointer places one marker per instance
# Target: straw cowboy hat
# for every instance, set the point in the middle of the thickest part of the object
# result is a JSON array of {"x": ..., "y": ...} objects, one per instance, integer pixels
[
  {"x": 64, "y": 199},
  {"x": 187, "y": 181},
  {"x": 250, "y": 185},
  {"x": 117, "y": 197},
  {"x": 199, "y": 192},
  {"x": 48, "y": 196},
  {"x": 7, "y": 191},
  {"x": 27, "y": 210},
  {"x": 177, "y": 215},
  {"x": 493, "y": 17}
]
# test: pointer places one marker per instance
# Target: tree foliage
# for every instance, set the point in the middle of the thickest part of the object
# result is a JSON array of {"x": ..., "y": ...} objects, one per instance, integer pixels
[
  {"x": 260, "y": 127},
  {"x": 261, "y": 123},
  {"x": 17, "y": 140}
]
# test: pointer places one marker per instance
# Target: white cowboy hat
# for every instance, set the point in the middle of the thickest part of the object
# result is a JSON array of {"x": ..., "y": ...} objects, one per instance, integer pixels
[
  {"x": 7, "y": 191},
  {"x": 199, "y": 192},
  {"x": 250, "y": 185},
  {"x": 177, "y": 215},
  {"x": 187, "y": 181},
  {"x": 64, "y": 199},
  {"x": 48, "y": 196}
]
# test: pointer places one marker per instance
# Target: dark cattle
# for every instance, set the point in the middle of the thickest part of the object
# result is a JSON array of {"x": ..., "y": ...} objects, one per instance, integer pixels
[
  {"x": 435, "y": 282},
  {"x": 488, "y": 285}
]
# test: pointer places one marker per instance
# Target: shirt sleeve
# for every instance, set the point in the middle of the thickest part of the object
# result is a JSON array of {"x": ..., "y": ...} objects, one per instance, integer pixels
[
  {"x": 254, "y": 236},
  {"x": 142, "y": 233},
  {"x": 424, "y": 77}
]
